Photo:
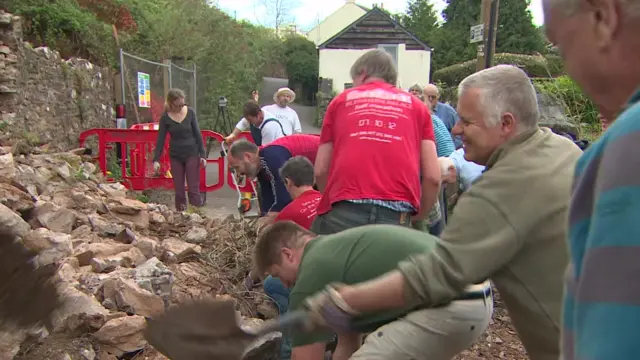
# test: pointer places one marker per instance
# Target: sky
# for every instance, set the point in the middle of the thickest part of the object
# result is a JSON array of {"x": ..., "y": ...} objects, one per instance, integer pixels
[{"x": 307, "y": 13}]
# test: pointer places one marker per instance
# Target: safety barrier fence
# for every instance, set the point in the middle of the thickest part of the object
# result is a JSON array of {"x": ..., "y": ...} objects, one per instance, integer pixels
[{"x": 136, "y": 151}]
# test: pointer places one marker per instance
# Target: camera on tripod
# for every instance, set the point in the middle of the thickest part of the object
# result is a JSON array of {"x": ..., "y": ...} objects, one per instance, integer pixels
[{"x": 222, "y": 102}]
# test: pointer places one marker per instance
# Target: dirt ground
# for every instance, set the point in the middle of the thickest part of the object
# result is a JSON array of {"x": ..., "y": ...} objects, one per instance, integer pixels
[{"x": 499, "y": 341}]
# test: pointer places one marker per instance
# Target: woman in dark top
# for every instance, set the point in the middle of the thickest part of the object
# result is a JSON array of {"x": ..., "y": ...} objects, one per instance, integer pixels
[{"x": 186, "y": 149}]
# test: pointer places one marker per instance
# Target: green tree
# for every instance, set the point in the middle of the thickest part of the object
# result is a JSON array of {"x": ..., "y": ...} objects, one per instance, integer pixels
[
  {"x": 422, "y": 20},
  {"x": 516, "y": 32},
  {"x": 302, "y": 65}
]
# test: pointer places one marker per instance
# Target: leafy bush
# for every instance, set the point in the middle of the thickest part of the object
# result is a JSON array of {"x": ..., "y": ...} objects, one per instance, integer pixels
[
  {"x": 231, "y": 56},
  {"x": 534, "y": 66},
  {"x": 578, "y": 107}
]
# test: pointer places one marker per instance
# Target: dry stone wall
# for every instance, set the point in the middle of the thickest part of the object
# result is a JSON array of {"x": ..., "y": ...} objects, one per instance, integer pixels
[{"x": 47, "y": 99}]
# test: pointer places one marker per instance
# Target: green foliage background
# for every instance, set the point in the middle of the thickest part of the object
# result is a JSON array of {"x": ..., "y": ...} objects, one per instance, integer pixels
[{"x": 231, "y": 56}]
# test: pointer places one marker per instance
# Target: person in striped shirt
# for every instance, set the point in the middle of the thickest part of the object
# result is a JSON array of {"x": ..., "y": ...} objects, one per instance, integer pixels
[{"x": 601, "y": 49}]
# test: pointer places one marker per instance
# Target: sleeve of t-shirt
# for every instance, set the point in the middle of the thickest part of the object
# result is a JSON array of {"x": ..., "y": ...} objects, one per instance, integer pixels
[
  {"x": 242, "y": 125},
  {"x": 274, "y": 157},
  {"x": 427, "y": 124},
  {"x": 301, "y": 338},
  {"x": 297, "y": 127},
  {"x": 326, "y": 133}
]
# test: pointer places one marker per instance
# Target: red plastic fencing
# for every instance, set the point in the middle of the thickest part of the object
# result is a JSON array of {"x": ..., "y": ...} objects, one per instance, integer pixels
[{"x": 137, "y": 169}]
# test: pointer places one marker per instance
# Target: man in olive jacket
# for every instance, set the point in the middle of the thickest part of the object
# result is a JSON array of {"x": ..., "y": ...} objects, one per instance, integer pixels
[{"x": 510, "y": 226}]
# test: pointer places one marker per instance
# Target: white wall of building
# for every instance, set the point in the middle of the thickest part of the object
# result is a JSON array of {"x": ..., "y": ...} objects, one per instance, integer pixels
[
  {"x": 413, "y": 66},
  {"x": 335, "y": 23}
]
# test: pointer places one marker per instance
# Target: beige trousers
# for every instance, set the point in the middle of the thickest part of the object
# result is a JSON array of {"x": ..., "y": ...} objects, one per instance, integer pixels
[{"x": 429, "y": 334}]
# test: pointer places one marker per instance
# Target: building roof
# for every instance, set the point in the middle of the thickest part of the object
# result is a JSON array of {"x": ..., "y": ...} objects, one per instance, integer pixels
[{"x": 376, "y": 23}]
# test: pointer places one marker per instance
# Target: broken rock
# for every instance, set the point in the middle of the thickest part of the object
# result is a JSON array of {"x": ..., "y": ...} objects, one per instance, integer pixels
[
  {"x": 54, "y": 217},
  {"x": 15, "y": 199},
  {"x": 196, "y": 235},
  {"x": 12, "y": 223},
  {"x": 104, "y": 227},
  {"x": 149, "y": 247},
  {"x": 176, "y": 250},
  {"x": 76, "y": 302},
  {"x": 122, "y": 335},
  {"x": 51, "y": 246},
  {"x": 127, "y": 296},
  {"x": 7, "y": 167}
]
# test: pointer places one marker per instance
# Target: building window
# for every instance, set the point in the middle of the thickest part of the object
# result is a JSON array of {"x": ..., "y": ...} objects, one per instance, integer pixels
[{"x": 391, "y": 49}]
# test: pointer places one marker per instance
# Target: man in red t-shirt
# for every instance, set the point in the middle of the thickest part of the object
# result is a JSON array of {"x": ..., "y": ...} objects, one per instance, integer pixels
[
  {"x": 265, "y": 162},
  {"x": 375, "y": 144}
]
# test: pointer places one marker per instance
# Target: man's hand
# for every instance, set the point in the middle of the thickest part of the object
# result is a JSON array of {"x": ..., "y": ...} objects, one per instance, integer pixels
[
  {"x": 447, "y": 170},
  {"x": 203, "y": 162},
  {"x": 264, "y": 221},
  {"x": 229, "y": 139},
  {"x": 328, "y": 309}
]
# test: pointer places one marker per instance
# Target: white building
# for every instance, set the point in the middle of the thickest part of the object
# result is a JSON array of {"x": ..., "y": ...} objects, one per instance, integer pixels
[{"x": 353, "y": 30}]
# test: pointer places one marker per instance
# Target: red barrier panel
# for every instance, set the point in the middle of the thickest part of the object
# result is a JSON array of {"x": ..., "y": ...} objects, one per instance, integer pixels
[
  {"x": 137, "y": 169},
  {"x": 243, "y": 184}
]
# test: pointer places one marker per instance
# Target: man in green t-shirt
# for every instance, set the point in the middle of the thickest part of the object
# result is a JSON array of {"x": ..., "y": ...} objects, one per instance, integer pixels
[{"x": 307, "y": 263}]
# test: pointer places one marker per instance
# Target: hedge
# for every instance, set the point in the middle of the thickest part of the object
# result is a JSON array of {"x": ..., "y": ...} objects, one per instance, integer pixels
[{"x": 536, "y": 66}]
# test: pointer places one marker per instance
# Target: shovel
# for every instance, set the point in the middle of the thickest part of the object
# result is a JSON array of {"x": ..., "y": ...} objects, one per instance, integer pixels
[{"x": 209, "y": 330}]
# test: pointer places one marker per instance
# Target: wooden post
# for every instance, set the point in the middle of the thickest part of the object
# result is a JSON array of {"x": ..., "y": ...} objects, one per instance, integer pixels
[
  {"x": 166, "y": 75},
  {"x": 485, "y": 16}
]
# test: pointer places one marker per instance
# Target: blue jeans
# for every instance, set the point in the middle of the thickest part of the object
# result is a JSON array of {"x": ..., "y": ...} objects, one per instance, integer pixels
[
  {"x": 346, "y": 215},
  {"x": 275, "y": 290}
]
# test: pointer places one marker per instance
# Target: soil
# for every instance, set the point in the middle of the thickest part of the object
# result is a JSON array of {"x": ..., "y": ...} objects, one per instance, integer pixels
[{"x": 499, "y": 341}]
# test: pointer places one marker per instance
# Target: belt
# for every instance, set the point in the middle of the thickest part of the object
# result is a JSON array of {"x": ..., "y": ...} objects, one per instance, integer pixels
[{"x": 476, "y": 295}]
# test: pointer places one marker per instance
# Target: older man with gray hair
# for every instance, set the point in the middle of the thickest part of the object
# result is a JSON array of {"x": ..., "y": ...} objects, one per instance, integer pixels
[
  {"x": 509, "y": 226},
  {"x": 600, "y": 44}
]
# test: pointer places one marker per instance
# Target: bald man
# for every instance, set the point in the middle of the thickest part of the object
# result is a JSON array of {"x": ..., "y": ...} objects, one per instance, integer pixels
[{"x": 445, "y": 112}]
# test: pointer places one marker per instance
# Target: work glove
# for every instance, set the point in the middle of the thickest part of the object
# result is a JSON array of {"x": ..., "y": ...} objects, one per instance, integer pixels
[
  {"x": 156, "y": 167},
  {"x": 327, "y": 309}
]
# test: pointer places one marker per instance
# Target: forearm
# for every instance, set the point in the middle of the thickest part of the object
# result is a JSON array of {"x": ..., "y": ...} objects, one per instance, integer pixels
[
  {"x": 321, "y": 181},
  {"x": 162, "y": 135},
  {"x": 430, "y": 193},
  {"x": 236, "y": 132},
  {"x": 383, "y": 293}
]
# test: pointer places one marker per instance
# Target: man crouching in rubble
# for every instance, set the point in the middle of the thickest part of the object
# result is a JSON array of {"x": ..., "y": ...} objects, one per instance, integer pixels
[{"x": 307, "y": 263}]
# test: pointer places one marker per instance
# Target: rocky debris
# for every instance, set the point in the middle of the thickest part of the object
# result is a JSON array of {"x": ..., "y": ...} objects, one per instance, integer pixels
[{"x": 114, "y": 268}]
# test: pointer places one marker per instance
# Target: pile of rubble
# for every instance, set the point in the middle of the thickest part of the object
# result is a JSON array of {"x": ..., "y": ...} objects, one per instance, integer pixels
[{"x": 121, "y": 260}]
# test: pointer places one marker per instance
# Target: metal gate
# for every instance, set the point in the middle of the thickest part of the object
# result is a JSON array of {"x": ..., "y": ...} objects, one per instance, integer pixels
[{"x": 144, "y": 84}]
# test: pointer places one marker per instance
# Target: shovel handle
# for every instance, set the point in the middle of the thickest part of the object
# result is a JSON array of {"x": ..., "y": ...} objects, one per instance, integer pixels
[{"x": 289, "y": 320}]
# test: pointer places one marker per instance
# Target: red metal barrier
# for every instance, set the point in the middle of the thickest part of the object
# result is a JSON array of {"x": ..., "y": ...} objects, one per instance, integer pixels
[
  {"x": 137, "y": 169},
  {"x": 243, "y": 184}
]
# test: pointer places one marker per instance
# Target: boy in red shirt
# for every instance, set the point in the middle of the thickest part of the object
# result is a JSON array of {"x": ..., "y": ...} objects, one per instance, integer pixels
[
  {"x": 375, "y": 144},
  {"x": 297, "y": 175}
]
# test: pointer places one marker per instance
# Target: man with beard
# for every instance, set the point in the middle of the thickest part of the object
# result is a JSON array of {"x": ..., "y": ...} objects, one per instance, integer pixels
[
  {"x": 264, "y": 163},
  {"x": 286, "y": 118}
]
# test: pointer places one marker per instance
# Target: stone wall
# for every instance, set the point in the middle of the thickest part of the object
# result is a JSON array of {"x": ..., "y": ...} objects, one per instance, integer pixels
[{"x": 46, "y": 99}]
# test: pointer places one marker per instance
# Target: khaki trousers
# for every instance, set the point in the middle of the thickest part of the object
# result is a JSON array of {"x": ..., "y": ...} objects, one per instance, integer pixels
[{"x": 429, "y": 334}]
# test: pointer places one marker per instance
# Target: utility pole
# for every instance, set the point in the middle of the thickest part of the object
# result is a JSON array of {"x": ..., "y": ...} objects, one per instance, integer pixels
[{"x": 489, "y": 22}]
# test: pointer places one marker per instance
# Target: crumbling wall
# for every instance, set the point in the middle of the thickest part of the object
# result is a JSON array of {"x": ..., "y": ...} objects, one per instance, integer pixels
[{"x": 47, "y": 99}]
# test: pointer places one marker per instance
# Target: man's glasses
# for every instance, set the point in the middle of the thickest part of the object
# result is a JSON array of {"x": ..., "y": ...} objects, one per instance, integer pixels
[{"x": 431, "y": 97}]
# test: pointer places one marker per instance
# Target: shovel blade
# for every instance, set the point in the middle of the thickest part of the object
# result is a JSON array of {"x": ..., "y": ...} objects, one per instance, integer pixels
[{"x": 202, "y": 330}]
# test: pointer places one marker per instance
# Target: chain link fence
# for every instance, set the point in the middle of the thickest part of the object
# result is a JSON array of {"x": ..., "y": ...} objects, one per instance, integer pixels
[{"x": 144, "y": 84}]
